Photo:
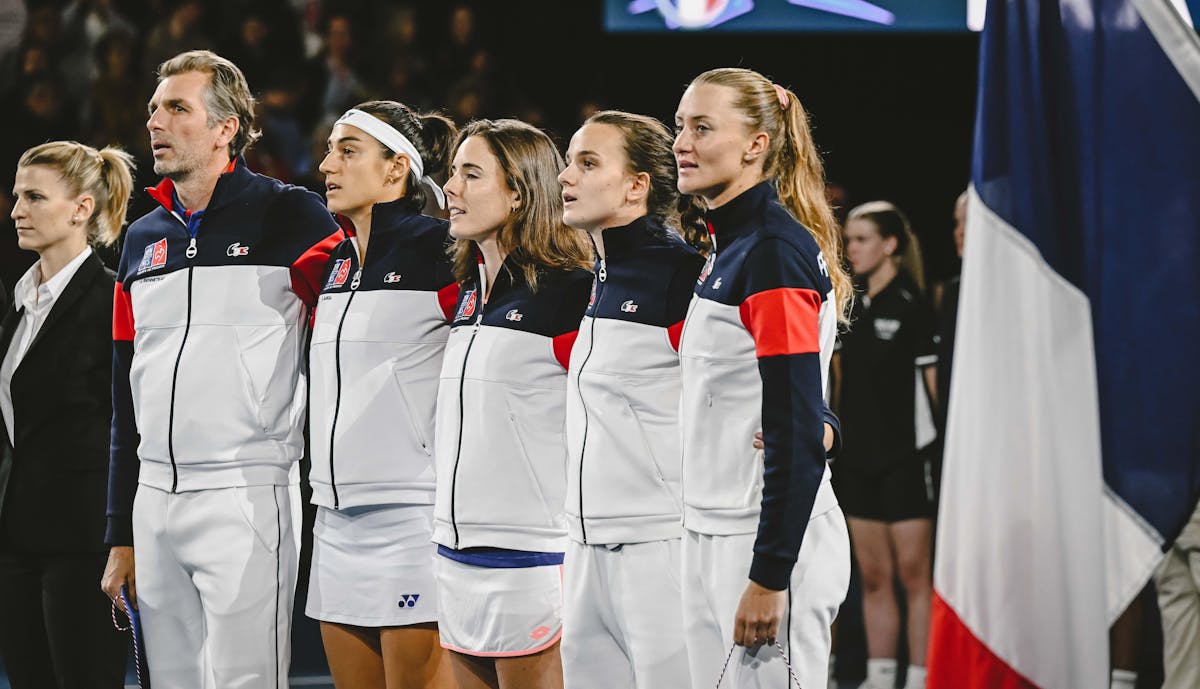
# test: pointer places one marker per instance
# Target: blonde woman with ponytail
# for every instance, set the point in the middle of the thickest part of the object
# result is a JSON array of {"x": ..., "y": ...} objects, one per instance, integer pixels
[
  {"x": 884, "y": 476},
  {"x": 766, "y": 554},
  {"x": 55, "y": 399}
]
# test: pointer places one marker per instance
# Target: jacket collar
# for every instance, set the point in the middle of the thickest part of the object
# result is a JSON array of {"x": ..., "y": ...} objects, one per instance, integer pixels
[
  {"x": 628, "y": 239},
  {"x": 164, "y": 192},
  {"x": 734, "y": 219},
  {"x": 385, "y": 217}
]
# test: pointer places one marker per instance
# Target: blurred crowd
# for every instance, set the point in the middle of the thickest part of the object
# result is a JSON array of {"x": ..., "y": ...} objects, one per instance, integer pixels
[{"x": 83, "y": 69}]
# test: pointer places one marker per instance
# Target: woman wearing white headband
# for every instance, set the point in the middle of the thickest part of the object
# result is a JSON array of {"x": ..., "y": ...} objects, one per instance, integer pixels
[{"x": 380, "y": 328}]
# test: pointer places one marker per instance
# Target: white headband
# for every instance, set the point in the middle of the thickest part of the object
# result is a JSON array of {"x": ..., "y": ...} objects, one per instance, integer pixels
[{"x": 387, "y": 135}]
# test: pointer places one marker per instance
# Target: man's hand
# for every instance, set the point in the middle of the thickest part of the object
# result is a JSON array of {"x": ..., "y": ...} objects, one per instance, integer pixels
[
  {"x": 119, "y": 571},
  {"x": 758, "y": 616},
  {"x": 758, "y": 441}
]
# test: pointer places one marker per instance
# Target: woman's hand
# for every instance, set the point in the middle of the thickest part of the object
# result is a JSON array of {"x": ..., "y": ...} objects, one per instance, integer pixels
[
  {"x": 118, "y": 572},
  {"x": 758, "y": 616}
]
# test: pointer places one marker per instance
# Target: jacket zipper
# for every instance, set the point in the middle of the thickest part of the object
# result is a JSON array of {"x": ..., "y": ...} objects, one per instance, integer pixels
[
  {"x": 710, "y": 265},
  {"x": 462, "y": 380},
  {"x": 337, "y": 367},
  {"x": 601, "y": 276},
  {"x": 187, "y": 327}
]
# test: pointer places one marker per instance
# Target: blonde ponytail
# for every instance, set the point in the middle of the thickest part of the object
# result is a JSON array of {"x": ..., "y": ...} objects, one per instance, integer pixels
[
  {"x": 793, "y": 162},
  {"x": 106, "y": 176},
  {"x": 117, "y": 177}
]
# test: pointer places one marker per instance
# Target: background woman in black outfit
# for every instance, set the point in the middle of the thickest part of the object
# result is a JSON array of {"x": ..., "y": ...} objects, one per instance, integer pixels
[
  {"x": 55, "y": 395},
  {"x": 883, "y": 483}
]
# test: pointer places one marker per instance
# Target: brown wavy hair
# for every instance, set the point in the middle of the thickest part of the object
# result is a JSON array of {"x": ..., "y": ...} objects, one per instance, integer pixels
[
  {"x": 534, "y": 235},
  {"x": 648, "y": 148},
  {"x": 793, "y": 162}
]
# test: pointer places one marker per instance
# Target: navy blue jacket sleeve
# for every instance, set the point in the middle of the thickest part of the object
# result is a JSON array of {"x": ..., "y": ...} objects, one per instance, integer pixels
[
  {"x": 123, "y": 463},
  {"x": 781, "y": 309},
  {"x": 836, "y": 424}
]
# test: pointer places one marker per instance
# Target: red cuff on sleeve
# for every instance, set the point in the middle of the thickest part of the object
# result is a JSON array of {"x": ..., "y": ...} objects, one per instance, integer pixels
[
  {"x": 448, "y": 299},
  {"x": 123, "y": 328},
  {"x": 783, "y": 321},
  {"x": 562, "y": 347},
  {"x": 310, "y": 267}
]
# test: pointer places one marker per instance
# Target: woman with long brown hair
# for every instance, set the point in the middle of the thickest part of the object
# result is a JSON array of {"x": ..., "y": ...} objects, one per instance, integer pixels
[
  {"x": 500, "y": 455},
  {"x": 766, "y": 555}
]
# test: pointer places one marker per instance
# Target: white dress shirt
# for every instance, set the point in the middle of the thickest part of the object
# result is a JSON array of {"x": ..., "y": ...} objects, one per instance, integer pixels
[{"x": 35, "y": 300}]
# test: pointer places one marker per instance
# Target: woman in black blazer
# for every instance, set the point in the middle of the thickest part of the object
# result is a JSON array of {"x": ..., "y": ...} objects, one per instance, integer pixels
[{"x": 55, "y": 404}]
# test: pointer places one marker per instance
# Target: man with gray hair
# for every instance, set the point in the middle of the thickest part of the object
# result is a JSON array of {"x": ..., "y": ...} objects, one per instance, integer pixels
[{"x": 211, "y": 308}]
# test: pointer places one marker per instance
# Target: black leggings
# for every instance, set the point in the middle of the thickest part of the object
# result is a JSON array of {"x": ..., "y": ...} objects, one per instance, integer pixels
[{"x": 56, "y": 626}]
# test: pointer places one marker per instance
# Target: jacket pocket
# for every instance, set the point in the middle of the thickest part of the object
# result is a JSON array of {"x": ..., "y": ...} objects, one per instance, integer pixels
[
  {"x": 418, "y": 433},
  {"x": 530, "y": 470},
  {"x": 649, "y": 450}
]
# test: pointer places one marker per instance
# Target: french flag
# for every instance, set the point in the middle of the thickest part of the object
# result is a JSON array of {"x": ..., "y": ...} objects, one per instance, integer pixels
[{"x": 1073, "y": 443}]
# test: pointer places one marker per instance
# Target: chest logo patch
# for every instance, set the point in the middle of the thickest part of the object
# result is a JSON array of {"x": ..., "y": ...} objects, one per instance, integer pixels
[
  {"x": 629, "y": 307},
  {"x": 339, "y": 274},
  {"x": 886, "y": 328},
  {"x": 514, "y": 315},
  {"x": 154, "y": 257},
  {"x": 236, "y": 249},
  {"x": 467, "y": 308},
  {"x": 391, "y": 278}
]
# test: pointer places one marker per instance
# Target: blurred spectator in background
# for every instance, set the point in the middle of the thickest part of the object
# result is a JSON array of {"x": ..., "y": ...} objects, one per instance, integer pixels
[
  {"x": 12, "y": 21},
  {"x": 334, "y": 82},
  {"x": 179, "y": 32},
  {"x": 456, "y": 53},
  {"x": 115, "y": 116},
  {"x": 284, "y": 151},
  {"x": 882, "y": 477},
  {"x": 85, "y": 23}
]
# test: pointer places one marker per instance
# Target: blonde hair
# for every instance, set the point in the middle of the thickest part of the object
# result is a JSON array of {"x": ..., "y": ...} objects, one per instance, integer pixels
[
  {"x": 106, "y": 175},
  {"x": 891, "y": 222},
  {"x": 793, "y": 161},
  {"x": 534, "y": 235},
  {"x": 227, "y": 95}
]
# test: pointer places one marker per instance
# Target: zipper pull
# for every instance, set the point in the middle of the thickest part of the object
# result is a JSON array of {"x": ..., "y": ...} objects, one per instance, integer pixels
[
  {"x": 191, "y": 250},
  {"x": 356, "y": 280},
  {"x": 603, "y": 274}
]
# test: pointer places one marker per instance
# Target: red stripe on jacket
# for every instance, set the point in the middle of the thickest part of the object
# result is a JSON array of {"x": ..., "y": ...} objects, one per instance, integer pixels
[
  {"x": 562, "y": 347},
  {"x": 123, "y": 328},
  {"x": 448, "y": 299},
  {"x": 783, "y": 321},
  {"x": 308, "y": 270}
]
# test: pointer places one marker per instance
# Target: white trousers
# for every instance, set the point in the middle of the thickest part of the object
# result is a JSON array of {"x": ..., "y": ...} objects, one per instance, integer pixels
[
  {"x": 716, "y": 570},
  {"x": 216, "y": 574},
  {"x": 623, "y": 617},
  {"x": 1178, "y": 584}
]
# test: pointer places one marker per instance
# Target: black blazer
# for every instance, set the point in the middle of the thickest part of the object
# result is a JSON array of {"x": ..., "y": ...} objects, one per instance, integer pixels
[{"x": 54, "y": 477}]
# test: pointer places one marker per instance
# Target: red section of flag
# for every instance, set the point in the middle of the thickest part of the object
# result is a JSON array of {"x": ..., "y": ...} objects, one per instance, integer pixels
[
  {"x": 783, "y": 321},
  {"x": 960, "y": 660}
]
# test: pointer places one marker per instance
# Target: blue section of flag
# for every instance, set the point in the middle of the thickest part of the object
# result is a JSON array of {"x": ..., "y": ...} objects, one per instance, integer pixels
[{"x": 1088, "y": 143}]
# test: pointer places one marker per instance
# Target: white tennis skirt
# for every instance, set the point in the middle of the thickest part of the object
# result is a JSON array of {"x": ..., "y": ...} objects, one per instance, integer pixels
[
  {"x": 499, "y": 612},
  {"x": 373, "y": 566}
]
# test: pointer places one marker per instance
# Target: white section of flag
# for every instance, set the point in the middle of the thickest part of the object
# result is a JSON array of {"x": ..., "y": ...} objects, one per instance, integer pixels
[{"x": 1021, "y": 556}]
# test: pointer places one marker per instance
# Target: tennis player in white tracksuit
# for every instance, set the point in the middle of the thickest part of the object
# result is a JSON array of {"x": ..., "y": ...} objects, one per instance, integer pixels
[
  {"x": 766, "y": 553},
  {"x": 380, "y": 330}
]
